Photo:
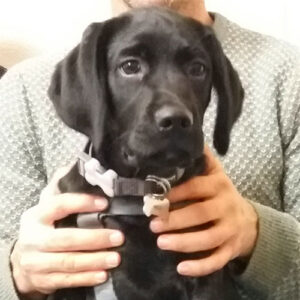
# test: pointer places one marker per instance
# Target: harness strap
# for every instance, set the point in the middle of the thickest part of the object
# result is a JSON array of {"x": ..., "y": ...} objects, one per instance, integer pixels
[
  {"x": 117, "y": 207},
  {"x": 104, "y": 291}
]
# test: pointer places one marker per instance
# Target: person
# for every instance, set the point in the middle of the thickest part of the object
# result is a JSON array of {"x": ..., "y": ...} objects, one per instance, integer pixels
[{"x": 252, "y": 195}]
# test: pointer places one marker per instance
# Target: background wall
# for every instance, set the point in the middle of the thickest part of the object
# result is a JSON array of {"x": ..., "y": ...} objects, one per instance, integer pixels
[{"x": 33, "y": 27}]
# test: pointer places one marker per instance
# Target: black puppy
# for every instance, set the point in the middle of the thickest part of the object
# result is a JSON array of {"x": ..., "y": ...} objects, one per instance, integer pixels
[{"x": 138, "y": 86}]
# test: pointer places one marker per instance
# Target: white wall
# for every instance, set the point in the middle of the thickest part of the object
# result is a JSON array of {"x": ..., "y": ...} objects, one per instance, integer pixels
[{"x": 31, "y": 27}]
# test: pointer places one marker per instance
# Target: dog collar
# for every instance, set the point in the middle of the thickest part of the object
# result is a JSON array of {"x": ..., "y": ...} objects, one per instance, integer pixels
[
  {"x": 152, "y": 190},
  {"x": 114, "y": 185}
]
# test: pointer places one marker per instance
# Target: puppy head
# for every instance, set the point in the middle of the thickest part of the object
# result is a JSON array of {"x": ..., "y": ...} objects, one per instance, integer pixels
[{"x": 138, "y": 86}]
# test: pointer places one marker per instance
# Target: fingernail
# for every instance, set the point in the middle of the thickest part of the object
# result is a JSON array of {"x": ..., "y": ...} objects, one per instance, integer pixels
[
  {"x": 101, "y": 277},
  {"x": 112, "y": 260},
  {"x": 163, "y": 242},
  {"x": 184, "y": 268},
  {"x": 116, "y": 238},
  {"x": 101, "y": 203},
  {"x": 156, "y": 225}
]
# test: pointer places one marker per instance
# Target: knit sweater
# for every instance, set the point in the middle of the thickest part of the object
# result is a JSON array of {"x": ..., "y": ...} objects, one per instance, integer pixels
[{"x": 263, "y": 160}]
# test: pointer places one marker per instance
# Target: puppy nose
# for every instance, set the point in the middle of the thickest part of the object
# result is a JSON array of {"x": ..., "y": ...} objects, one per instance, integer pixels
[{"x": 169, "y": 118}]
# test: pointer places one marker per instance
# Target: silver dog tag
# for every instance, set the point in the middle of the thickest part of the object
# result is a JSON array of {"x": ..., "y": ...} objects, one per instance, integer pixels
[{"x": 154, "y": 205}]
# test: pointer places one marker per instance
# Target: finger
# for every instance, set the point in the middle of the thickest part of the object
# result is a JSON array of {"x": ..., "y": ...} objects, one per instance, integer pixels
[
  {"x": 71, "y": 262},
  {"x": 77, "y": 239},
  {"x": 66, "y": 204},
  {"x": 195, "y": 241},
  {"x": 48, "y": 283},
  {"x": 196, "y": 188},
  {"x": 205, "y": 266},
  {"x": 191, "y": 215}
]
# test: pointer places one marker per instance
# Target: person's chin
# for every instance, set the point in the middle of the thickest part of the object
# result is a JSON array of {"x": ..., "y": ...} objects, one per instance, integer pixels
[{"x": 145, "y": 3}]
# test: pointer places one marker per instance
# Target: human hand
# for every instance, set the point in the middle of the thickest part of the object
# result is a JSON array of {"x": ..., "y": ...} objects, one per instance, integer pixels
[
  {"x": 234, "y": 222},
  {"x": 46, "y": 258}
]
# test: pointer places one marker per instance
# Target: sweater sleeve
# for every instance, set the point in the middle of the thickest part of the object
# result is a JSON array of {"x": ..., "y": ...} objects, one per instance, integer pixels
[
  {"x": 21, "y": 173},
  {"x": 273, "y": 271}
]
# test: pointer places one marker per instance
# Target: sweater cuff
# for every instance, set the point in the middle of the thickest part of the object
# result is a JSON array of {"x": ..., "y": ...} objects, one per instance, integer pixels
[
  {"x": 7, "y": 287},
  {"x": 276, "y": 248}
]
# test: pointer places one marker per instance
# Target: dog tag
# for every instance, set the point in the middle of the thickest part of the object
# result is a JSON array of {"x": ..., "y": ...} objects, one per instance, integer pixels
[{"x": 156, "y": 206}]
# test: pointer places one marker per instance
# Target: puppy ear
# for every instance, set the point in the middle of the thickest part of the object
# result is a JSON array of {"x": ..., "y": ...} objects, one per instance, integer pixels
[
  {"x": 230, "y": 94},
  {"x": 79, "y": 89}
]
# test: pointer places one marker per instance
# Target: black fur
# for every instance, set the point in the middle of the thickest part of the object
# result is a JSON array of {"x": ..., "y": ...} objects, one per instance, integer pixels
[
  {"x": 128, "y": 120},
  {"x": 2, "y": 71}
]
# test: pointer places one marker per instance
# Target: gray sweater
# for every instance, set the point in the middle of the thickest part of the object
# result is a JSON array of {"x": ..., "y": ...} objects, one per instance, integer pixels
[{"x": 263, "y": 160}]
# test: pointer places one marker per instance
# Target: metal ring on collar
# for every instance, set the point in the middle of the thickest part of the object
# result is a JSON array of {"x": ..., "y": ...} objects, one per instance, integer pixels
[{"x": 161, "y": 182}]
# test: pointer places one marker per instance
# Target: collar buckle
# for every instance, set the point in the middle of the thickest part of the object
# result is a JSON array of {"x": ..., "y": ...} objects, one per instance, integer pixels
[
  {"x": 95, "y": 174},
  {"x": 153, "y": 189}
]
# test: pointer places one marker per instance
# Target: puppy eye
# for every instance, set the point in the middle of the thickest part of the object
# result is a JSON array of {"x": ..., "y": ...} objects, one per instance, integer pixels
[
  {"x": 131, "y": 67},
  {"x": 197, "y": 69}
]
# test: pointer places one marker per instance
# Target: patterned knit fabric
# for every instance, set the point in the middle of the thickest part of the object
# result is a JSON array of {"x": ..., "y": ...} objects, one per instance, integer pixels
[{"x": 263, "y": 160}]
